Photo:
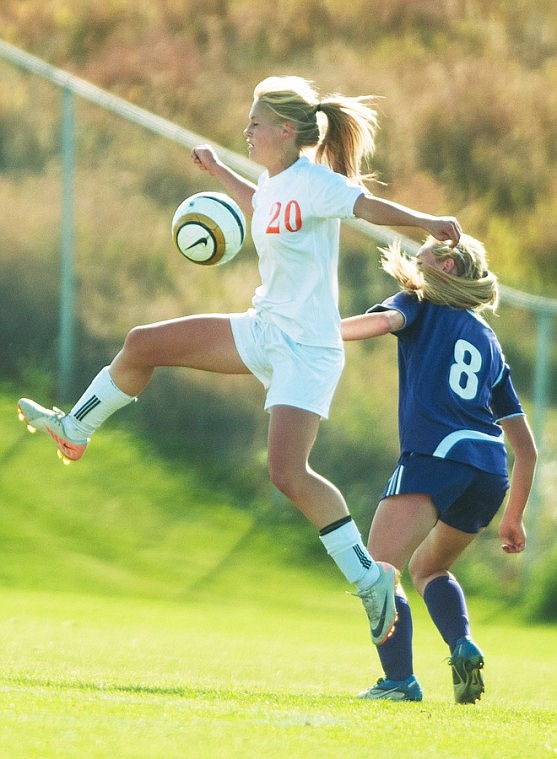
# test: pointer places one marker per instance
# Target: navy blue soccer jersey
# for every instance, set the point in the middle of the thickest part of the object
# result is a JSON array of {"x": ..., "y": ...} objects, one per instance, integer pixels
[{"x": 454, "y": 384}]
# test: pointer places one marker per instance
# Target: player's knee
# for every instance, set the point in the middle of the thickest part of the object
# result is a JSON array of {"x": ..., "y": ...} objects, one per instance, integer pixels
[
  {"x": 284, "y": 479},
  {"x": 418, "y": 574},
  {"x": 281, "y": 480},
  {"x": 135, "y": 341}
]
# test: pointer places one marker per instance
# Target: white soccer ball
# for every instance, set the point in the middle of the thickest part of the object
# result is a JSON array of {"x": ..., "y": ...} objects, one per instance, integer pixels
[{"x": 209, "y": 228}]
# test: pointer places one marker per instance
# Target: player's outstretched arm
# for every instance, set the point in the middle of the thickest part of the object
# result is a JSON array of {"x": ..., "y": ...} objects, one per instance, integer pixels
[
  {"x": 386, "y": 213},
  {"x": 511, "y": 528},
  {"x": 362, "y": 326},
  {"x": 205, "y": 158}
]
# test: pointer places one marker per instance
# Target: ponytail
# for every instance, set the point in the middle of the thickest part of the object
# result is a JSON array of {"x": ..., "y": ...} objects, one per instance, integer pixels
[
  {"x": 473, "y": 286},
  {"x": 348, "y": 136}
]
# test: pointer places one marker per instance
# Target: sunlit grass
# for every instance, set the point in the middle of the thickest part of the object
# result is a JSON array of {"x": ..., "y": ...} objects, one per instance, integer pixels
[{"x": 218, "y": 675}]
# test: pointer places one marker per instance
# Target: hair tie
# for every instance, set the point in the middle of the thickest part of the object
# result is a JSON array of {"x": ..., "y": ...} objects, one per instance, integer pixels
[{"x": 317, "y": 107}]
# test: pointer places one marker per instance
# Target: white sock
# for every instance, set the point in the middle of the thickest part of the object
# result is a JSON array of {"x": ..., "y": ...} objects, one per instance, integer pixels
[
  {"x": 345, "y": 546},
  {"x": 101, "y": 399}
]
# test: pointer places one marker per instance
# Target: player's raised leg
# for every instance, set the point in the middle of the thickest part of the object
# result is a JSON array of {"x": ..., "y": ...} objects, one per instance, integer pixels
[{"x": 200, "y": 342}]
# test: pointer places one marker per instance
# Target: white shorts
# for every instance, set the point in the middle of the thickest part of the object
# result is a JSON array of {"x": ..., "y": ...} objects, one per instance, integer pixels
[{"x": 303, "y": 376}]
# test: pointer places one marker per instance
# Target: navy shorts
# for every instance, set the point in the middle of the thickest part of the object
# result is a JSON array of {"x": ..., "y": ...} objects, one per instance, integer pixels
[{"x": 466, "y": 498}]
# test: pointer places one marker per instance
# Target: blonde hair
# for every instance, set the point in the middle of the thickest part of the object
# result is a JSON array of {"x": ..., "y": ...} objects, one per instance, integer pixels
[
  {"x": 473, "y": 286},
  {"x": 349, "y": 137}
]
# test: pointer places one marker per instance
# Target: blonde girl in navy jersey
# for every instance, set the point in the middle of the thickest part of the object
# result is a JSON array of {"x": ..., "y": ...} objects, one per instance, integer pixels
[
  {"x": 290, "y": 337},
  {"x": 456, "y": 400}
]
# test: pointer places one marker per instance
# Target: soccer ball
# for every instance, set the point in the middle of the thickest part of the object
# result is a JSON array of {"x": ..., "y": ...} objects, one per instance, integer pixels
[{"x": 209, "y": 228}]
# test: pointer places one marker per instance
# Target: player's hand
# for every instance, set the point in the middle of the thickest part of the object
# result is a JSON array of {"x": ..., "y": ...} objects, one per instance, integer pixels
[
  {"x": 513, "y": 537},
  {"x": 205, "y": 158},
  {"x": 446, "y": 229}
]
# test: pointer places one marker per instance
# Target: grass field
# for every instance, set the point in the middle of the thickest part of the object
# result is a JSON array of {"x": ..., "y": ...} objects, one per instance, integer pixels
[
  {"x": 220, "y": 676},
  {"x": 142, "y": 617}
]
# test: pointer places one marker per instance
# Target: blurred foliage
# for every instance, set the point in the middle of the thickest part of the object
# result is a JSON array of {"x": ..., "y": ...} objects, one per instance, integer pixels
[
  {"x": 467, "y": 99},
  {"x": 541, "y": 602},
  {"x": 467, "y": 88}
]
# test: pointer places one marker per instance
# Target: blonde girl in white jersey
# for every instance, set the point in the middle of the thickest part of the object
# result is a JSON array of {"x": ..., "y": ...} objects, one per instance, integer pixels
[{"x": 290, "y": 338}]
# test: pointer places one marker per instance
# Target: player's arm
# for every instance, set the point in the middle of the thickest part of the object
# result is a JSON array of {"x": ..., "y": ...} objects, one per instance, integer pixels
[
  {"x": 521, "y": 440},
  {"x": 378, "y": 323},
  {"x": 242, "y": 190},
  {"x": 386, "y": 213}
]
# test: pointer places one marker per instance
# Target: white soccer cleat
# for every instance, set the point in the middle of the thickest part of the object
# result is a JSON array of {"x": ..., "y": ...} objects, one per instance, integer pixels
[
  {"x": 51, "y": 422},
  {"x": 379, "y": 603}
]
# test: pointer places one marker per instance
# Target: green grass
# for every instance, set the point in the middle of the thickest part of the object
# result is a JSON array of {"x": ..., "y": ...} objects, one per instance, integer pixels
[
  {"x": 222, "y": 676},
  {"x": 142, "y": 615}
]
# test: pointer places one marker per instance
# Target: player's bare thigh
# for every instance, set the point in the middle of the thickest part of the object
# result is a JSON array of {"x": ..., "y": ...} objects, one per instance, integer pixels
[
  {"x": 400, "y": 524},
  {"x": 199, "y": 342}
]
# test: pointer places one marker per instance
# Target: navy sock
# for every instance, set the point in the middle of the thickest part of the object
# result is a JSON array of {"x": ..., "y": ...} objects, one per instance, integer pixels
[
  {"x": 446, "y": 604},
  {"x": 395, "y": 653}
]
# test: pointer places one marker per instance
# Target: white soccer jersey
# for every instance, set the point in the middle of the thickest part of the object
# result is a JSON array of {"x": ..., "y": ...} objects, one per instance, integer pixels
[{"x": 295, "y": 228}]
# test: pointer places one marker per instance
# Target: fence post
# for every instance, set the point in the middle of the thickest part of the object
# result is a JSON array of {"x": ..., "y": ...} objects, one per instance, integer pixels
[{"x": 67, "y": 319}]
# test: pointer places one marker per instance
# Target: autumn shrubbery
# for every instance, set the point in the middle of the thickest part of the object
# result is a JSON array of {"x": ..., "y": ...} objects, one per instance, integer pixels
[{"x": 467, "y": 90}]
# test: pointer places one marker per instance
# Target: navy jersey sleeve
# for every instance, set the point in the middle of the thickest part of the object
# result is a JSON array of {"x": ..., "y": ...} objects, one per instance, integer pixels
[
  {"x": 504, "y": 400},
  {"x": 408, "y": 305}
]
